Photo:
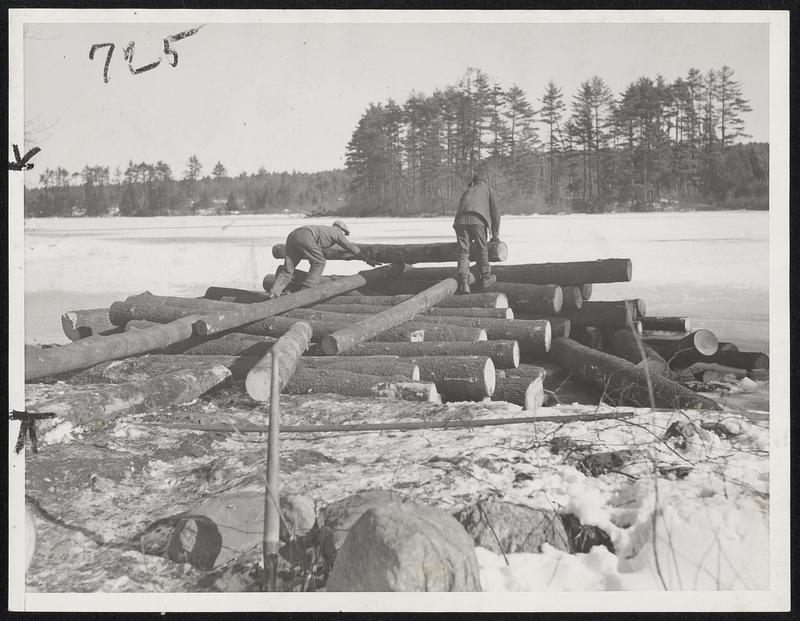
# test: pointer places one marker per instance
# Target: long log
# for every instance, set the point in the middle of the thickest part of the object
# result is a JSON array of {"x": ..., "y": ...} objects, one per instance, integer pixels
[
  {"x": 120, "y": 313},
  {"x": 621, "y": 382},
  {"x": 103, "y": 403},
  {"x": 747, "y": 360},
  {"x": 459, "y": 378},
  {"x": 368, "y": 309},
  {"x": 682, "y": 352},
  {"x": 525, "y": 391},
  {"x": 522, "y": 298},
  {"x": 249, "y": 313},
  {"x": 79, "y": 324},
  {"x": 471, "y": 300},
  {"x": 573, "y": 298},
  {"x": 610, "y": 316},
  {"x": 240, "y": 296},
  {"x": 371, "y": 326},
  {"x": 559, "y": 326},
  {"x": 667, "y": 324},
  {"x": 336, "y": 381},
  {"x": 570, "y": 273},
  {"x": 533, "y": 335},
  {"x": 198, "y": 305},
  {"x": 286, "y": 351},
  {"x": 447, "y": 332},
  {"x": 407, "y": 253},
  {"x": 88, "y": 352},
  {"x": 277, "y": 326},
  {"x": 637, "y": 306},
  {"x": 624, "y": 345},
  {"x": 385, "y": 366},
  {"x": 234, "y": 344},
  {"x": 504, "y": 354},
  {"x": 138, "y": 324}
]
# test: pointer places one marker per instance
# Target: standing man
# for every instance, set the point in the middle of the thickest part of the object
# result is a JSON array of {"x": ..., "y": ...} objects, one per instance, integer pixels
[
  {"x": 309, "y": 242},
  {"x": 477, "y": 211}
]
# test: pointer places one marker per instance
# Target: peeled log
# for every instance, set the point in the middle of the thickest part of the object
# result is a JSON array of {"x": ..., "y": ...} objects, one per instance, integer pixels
[
  {"x": 472, "y": 300},
  {"x": 233, "y": 344},
  {"x": 504, "y": 354},
  {"x": 573, "y": 298},
  {"x": 525, "y": 391},
  {"x": 338, "y": 382},
  {"x": 570, "y": 273},
  {"x": 667, "y": 324},
  {"x": 249, "y": 313},
  {"x": 682, "y": 352},
  {"x": 459, "y": 378},
  {"x": 533, "y": 335},
  {"x": 88, "y": 352},
  {"x": 624, "y": 345},
  {"x": 406, "y": 253},
  {"x": 367, "y": 309},
  {"x": 621, "y": 382},
  {"x": 78, "y": 324},
  {"x": 103, "y": 403},
  {"x": 286, "y": 351},
  {"x": 371, "y": 326}
]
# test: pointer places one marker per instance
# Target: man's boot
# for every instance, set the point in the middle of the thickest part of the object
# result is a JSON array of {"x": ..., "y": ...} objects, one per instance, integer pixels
[
  {"x": 487, "y": 281},
  {"x": 463, "y": 285}
]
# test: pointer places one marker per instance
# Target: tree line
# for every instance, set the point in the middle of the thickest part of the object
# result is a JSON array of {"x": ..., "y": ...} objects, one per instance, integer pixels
[
  {"x": 147, "y": 189},
  {"x": 656, "y": 142}
]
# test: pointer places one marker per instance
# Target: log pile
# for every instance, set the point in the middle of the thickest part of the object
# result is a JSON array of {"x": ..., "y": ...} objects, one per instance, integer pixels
[{"x": 393, "y": 332}]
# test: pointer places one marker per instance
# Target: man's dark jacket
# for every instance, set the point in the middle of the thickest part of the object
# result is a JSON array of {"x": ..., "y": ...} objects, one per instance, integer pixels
[{"x": 478, "y": 199}]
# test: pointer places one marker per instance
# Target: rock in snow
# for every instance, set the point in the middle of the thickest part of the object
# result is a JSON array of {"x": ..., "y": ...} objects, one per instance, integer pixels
[
  {"x": 505, "y": 527},
  {"x": 405, "y": 547}
]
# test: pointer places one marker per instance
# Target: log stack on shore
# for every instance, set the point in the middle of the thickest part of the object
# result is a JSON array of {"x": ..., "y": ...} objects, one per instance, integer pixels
[{"x": 395, "y": 332}]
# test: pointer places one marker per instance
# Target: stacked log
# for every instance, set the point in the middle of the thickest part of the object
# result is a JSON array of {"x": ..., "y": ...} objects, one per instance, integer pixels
[
  {"x": 459, "y": 378},
  {"x": 285, "y": 353},
  {"x": 527, "y": 390},
  {"x": 667, "y": 324},
  {"x": 367, "y": 309},
  {"x": 347, "y": 384},
  {"x": 682, "y": 352},
  {"x": 472, "y": 300},
  {"x": 629, "y": 346},
  {"x": 407, "y": 253},
  {"x": 573, "y": 297}
]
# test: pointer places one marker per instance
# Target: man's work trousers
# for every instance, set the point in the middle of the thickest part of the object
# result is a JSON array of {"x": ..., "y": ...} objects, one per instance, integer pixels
[
  {"x": 468, "y": 235},
  {"x": 300, "y": 245}
]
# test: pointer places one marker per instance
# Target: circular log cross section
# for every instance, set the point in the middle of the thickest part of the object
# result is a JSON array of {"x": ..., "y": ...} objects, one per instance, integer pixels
[{"x": 705, "y": 342}]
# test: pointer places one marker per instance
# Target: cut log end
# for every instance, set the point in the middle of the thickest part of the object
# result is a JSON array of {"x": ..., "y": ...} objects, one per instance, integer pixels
[
  {"x": 489, "y": 377},
  {"x": 515, "y": 354},
  {"x": 705, "y": 342},
  {"x": 548, "y": 337},
  {"x": 482, "y": 335}
]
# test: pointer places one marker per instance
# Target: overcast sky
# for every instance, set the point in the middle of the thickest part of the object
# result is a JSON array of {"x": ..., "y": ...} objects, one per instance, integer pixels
[{"x": 288, "y": 96}]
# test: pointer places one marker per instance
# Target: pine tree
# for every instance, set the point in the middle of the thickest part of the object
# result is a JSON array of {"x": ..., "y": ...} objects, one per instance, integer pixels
[
  {"x": 552, "y": 109},
  {"x": 219, "y": 171}
]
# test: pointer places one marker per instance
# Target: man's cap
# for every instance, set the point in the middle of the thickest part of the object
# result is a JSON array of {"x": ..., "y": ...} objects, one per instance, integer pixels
[{"x": 343, "y": 226}]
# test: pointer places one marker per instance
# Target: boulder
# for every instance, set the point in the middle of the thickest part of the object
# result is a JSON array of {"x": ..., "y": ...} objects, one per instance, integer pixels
[
  {"x": 405, "y": 547},
  {"x": 505, "y": 527}
]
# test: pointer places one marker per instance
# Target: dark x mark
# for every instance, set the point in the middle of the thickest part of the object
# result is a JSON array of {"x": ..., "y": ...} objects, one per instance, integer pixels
[
  {"x": 28, "y": 427},
  {"x": 22, "y": 162}
]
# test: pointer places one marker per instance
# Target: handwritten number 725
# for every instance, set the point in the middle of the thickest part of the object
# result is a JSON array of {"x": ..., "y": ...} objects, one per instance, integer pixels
[{"x": 129, "y": 49}]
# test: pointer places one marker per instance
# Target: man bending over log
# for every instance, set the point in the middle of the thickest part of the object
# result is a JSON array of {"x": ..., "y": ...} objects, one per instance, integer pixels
[
  {"x": 477, "y": 210},
  {"x": 309, "y": 242}
]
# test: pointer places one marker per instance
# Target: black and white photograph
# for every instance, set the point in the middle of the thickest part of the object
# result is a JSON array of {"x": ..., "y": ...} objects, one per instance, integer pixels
[{"x": 398, "y": 310}]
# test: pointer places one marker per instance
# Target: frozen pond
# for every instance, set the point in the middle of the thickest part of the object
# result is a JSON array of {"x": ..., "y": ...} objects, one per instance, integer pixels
[{"x": 711, "y": 266}]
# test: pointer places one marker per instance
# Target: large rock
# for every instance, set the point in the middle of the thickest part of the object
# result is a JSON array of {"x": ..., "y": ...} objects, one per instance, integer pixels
[
  {"x": 505, "y": 527},
  {"x": 405, "y": 547}
]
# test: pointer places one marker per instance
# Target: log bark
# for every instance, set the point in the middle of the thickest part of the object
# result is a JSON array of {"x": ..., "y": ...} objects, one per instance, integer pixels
[
  {"x": 433, "y": 331},
  {"x": 525, "y": 391},
  {"x": 570, "y": 273},
  {"x": 336, "y": 381},
  {"x": 682, "y": 352},
  {"x": 120, "y": 313},
  {"x": 533, "y": 335},
  {"x": 385, "y": 366},
  {"x": 88, "y": 352},
  {"x": 285, "y": 353},
  {"x": 621, "y": 382},
  {"x": 344, "y": 339},
  {"x": 234, "y": 344},
  {"x": 610, "y": 316},
  {"x": 406, "y": 253},
  {"x": 78, "y": 324},
  {"x": 103, "y": 403},
  {"x": 504, "y": 354},
  {"x": 747, "y": 360},
  {"x": 522, "y": 298},
  {"x": 624, "y": 345},
  {"x": 667, "y": 324},
  {"x": 459, "y": 378},
  {"x": 472, "y": 300},
  {"x": 367, "y": 309},
  {"x": 573, "y": 298},
  {"x": 586, "y": 291},
  {"x": 559, "y": 326},
  {"x": 249, "y": 313}
]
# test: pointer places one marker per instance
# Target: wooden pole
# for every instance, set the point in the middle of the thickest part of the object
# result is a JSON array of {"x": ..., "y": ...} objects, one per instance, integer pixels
[
  {"x": 406, "y": 253},
  {"x": 104, "y": 403},
  {"x": 504, "y": 354},
  {"x": 249, "y": 313},
  {"x": 272, "y": 519},
  {"x": 371, "y": 326},
  {"x": 368, "y": 309},
  {"x": 88, "y": 352},
  {"x": 78, "y": 324},
  {"x": 287, "y": 351},
  {"x": 570, "y": 273},
  {"x": 621, "y": 382},
  {"x": 198, "y": 305}
]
